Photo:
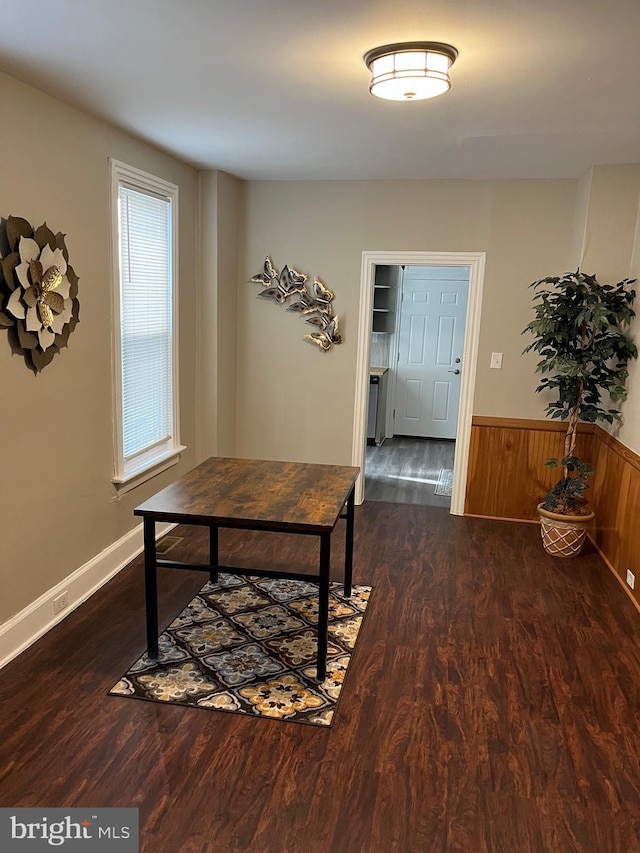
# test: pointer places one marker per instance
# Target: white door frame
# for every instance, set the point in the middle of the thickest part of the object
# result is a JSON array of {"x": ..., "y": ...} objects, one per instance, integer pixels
[{"x": 370, "y": 260}]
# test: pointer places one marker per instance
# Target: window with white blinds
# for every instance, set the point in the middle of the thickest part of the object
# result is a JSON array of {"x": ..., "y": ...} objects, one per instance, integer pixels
[{"x": 144, "y": 212}]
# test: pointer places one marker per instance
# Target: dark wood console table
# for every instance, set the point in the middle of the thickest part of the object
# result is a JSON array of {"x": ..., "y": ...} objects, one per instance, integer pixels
[{"x": 284, "y": 497}]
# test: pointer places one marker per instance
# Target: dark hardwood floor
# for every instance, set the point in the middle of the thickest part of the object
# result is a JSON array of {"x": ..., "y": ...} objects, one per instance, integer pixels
[
  {"x": 492, "y": 704},
  {"x": 405, "y": 470}
]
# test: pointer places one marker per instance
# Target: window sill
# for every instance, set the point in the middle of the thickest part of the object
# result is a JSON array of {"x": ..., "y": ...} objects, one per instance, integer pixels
[{"x": 138, "y": 476}]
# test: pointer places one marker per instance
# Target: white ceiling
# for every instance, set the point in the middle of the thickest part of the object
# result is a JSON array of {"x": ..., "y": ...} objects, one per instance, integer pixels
[{"x": 277, "y": 89}]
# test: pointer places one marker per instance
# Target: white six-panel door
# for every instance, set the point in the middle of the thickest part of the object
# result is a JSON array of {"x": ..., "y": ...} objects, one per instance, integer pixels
[{"x": 431, "y": 341}]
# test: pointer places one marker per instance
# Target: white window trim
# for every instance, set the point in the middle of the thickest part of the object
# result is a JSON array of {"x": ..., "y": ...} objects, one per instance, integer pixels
[{"x": 149, "y": 465}]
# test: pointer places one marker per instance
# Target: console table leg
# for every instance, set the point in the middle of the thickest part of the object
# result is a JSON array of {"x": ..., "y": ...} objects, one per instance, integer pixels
[
  {"x": 323, "y": 604},
  {"x": 213, "y": 553},
  {"x": 151, "y": 586},
  {"x": 348, "y": 548}
]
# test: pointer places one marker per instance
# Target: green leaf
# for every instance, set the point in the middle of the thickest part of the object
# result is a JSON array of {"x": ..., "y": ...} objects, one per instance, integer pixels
[{"x": 578, "y": 332}]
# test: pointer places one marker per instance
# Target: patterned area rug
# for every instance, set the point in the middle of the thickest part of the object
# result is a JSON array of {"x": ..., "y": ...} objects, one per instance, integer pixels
[
  {"x": 248, "y": 645},
  {"x": 445, "y": 482}
]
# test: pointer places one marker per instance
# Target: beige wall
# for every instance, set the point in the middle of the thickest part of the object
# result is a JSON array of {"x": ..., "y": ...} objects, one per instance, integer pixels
[
  {"x": 58, "y": 508},
  {"x": 294, "y": 402},
  {"x": 629, "y": 431},
  {"x": 580, "y": 219},
  {"x": 609, "y": 247},
  {"x": 220, "y": 198},
  {"x": 218, "y": 261},
  {"x": 610, "y": 227}
]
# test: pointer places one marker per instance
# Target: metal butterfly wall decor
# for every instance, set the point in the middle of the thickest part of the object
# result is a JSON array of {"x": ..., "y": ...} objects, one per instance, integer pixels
[
  {"x": 315, "y": 303},
  {"x": 327, "y": 335}
]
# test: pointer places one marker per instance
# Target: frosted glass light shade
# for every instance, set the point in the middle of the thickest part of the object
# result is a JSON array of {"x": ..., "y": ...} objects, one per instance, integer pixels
[{"x": 410, "y": 72}]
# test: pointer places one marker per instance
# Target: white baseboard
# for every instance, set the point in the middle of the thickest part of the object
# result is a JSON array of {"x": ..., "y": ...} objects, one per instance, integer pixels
[{"x": 23, "y": 629}]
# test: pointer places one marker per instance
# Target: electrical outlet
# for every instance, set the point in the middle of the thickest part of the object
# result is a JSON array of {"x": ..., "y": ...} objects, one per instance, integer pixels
[
  {"x": 61, "y": 602},
  {"x": 631, "y": 579},
  {"x": 496, "y": 360}
]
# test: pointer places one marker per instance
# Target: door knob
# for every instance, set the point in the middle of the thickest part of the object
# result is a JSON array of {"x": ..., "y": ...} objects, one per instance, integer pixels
[{"x": 453, "y": 371}]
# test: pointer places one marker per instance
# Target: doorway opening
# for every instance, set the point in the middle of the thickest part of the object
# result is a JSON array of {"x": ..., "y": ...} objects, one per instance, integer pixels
[
  {"x": 417, "y": 341},
  {"x": 450, "y": 395}
]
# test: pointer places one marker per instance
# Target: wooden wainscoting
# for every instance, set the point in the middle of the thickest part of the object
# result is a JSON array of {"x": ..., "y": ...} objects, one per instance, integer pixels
[
  {"x": 616, "y": 497},
  {"x": 507, "y": 478}
]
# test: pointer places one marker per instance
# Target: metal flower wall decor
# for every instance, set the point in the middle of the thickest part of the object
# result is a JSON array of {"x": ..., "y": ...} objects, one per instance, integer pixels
[
  {"x": 38, "y": 291},
  {"x": 314, "y": 303}
]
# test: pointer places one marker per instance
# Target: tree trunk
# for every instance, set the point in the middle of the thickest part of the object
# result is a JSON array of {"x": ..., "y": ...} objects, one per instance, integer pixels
[{"x": 572, "y": 432}]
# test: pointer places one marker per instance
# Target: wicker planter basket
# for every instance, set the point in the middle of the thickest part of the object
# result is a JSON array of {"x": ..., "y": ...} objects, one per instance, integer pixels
[{"x": 563, "y": 535}]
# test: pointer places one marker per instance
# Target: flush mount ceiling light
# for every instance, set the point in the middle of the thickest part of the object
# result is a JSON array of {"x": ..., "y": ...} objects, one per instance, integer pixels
[{"x": 410, "y": 71}]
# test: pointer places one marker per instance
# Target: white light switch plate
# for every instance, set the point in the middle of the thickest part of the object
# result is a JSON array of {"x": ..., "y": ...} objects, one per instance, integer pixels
[{"x": 496, "y": 360}]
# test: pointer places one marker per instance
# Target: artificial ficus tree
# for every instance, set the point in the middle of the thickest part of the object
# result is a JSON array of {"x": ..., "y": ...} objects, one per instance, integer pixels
[{"x": 579, "y": 334}]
